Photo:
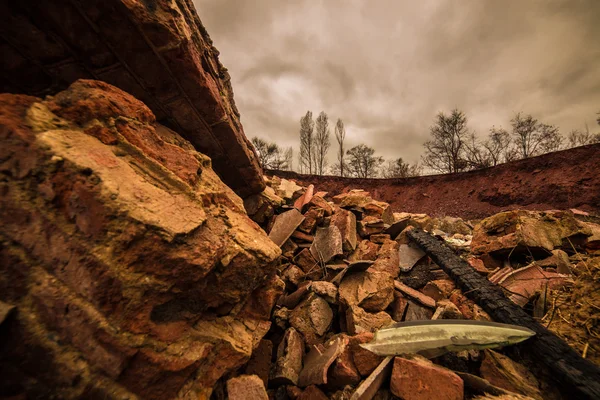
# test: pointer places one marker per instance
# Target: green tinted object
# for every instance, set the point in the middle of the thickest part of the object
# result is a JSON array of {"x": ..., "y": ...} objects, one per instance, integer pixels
[{"x": 434, "y": 338}]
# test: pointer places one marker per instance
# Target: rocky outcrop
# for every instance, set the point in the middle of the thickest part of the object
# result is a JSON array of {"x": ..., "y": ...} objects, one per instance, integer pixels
[
  {"x": 127, "y": 258},
  {"x": 556, "y": 181},
  {"x": 157, "y": 50}
]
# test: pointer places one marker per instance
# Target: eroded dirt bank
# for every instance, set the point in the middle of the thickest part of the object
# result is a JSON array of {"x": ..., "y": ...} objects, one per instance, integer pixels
[{"x": 561, "y": 180}]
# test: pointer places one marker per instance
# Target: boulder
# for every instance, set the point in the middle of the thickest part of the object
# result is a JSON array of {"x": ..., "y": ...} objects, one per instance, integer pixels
[
  {"x": 126, "y": 234},
  {"x": 158, "y": 51},
  {"x": 528, "y": 232}
]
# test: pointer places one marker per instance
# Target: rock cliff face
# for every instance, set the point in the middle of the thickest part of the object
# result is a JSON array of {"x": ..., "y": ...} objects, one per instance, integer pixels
[
  {"x": 157, "y": 50},
  {"x": 127, "y": 258}
]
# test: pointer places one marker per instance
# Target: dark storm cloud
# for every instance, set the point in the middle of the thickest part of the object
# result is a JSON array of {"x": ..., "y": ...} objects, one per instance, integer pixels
[{"x": 387, "y": 67}]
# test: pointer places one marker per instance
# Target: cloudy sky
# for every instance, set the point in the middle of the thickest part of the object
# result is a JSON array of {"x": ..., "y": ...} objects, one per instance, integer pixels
[{"x": 387, "y": 67}]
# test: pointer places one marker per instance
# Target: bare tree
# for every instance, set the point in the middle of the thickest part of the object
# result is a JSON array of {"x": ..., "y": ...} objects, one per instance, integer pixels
[
  {"x": 271, "y": 156},
  {"x": 533, "y": 138},
  {"x": 444, "y": 152},
  {"x": 307, "y": 143},
  {"x": 476, "y": 155},
  {"x": 499, "y": 147},
  {"x": 362, "y": 162},
  {"x": 399, "y": 169},
  {"x": 340, "y": 135},
  {"x": 580, "y": 138},
  {"x": 322, "y": 142}
]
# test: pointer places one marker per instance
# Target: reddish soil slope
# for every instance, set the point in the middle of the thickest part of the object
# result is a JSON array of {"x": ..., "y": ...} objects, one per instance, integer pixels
[{"x": 561, "y": 180}]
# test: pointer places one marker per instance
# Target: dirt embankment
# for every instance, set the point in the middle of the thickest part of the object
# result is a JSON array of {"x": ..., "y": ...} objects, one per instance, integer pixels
[{"x": 561, "y": 180}]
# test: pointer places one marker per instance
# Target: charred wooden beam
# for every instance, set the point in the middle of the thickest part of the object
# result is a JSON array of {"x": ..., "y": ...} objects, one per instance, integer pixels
[{"x": 574, "y": 374}]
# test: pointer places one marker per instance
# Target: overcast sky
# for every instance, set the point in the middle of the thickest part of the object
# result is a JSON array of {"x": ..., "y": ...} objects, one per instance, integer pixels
[{"x": 387, "y": 67}]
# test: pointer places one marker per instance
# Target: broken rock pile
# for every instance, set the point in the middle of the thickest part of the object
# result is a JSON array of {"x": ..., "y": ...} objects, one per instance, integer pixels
[{"x": 348, "y": 269}]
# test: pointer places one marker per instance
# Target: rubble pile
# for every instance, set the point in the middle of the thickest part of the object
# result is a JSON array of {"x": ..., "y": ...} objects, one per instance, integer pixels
[{"x": 348, "y": 269}]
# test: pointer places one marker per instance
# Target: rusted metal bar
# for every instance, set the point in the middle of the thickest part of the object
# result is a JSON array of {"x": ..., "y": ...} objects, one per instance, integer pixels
[{"x": 578, "y": 377}]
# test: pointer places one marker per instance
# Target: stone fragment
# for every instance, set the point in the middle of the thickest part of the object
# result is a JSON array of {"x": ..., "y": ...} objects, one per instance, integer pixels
[
  {"x": 294, "y": 275},
  {"x": 309, "y": 264},
  {"x": 439, "y": 289},
  {"x": 289, "y": 248},
  {"x": 305, "y": 198},
  {"x": 359, "y": 320},
  {"x": 478, "y": 265},
  {"x": 327, "y": 244},
  {"x": 387, "y": 258},
  {"x": 453, "y": 225},
  {"x": 420, "y": 379},
  {"x": 409, "y": 255},
  {"x": 359, "y": 265},
  {"x": 5, "y": 310},
  {"x": 343, "y": 371},
  {"x": 559, "y": 260},
  {"x": 281, "y": 316},
  {"x": 397, "y": 227},
  {"x": 468, "y": 308},
  {"x": 448, "y": 310},
  {"x": 291, "y": 300},
  {"x": 312, "y": 218},
  {"x": 379, "y": 209},
  {"x": 302, "y": 237},
  {"x": 326, "y": 290},
  {"x": 312, "y": 393},
  {"x": 312, "y": 318},
  {"x": 524, "y": 283},
  {"x": 364, "y": 360},
  {"x": 503, "y": 372},
  {"x": 285, "y": 224},
  {"x": 365, "y": 250},
  {"x": 370, "y": 226},
  {"x": 370, "y": 386},
  {"x": 354, "y": 198},
  {"x": 416, "y": 312},
  {"x": 346, "y": 223},
  {"x": 293, "y": 392},
  {"x": 287, "y": 189},
  {"x": 398, "y": 307},
  {"x": 380, "y": 238},
  {"x": 290, "y": 353},
  {"x": 373, "y": 291},
  {"x": 317, "y": 362},
  {"x": 593, "y": 241},
  {"x": 415, "y": 294},
  {"x": 263, "y": 299},
  {"x": 527, "y": 232},
  {"x": 261, "y": 206},
  {"x": 319, "y": 202},
  {"x": 246, "y": 387},
  {"x": 260, "y": 362}
]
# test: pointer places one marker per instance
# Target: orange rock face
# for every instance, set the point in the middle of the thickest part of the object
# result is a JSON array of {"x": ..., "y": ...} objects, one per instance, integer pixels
[
  {"x": 156, "y": 50},
  {"x": 125, "y": 255}
]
